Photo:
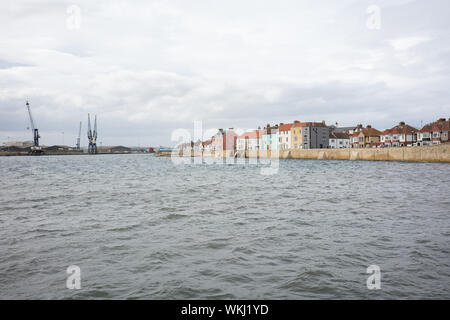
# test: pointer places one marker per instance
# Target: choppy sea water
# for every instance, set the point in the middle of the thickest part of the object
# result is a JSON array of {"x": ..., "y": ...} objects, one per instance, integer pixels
[{"x": 140, "y": 227}]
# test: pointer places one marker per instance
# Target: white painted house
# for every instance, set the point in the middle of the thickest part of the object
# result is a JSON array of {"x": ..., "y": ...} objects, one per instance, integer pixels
[
  {"x": 339, "y": 140},
  {"x": 251, "y": 140},
  {"x": 284, "y": 136}
]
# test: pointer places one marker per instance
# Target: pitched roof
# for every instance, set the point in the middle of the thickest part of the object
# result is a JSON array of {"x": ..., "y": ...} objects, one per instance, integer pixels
[
  {"x": 401, "y": 128},
  {"x": 207, "y": 142},
  {"x": 286, "y": 127},
  {"x": 370, "y": 132},
  {"x": 437, "y": 126},
  {"x": 308, "y": 124},
  {"x": 426, "y": 128},
  {"x": 339, "y": 135},
  {"x": 342, "y": 129},
  {"x": 251, "y": 134}
]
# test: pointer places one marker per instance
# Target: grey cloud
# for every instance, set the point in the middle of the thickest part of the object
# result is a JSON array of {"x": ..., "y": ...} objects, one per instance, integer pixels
[
  {"x": 8, "y": 64},
  {"x": 149, "y": 67}
]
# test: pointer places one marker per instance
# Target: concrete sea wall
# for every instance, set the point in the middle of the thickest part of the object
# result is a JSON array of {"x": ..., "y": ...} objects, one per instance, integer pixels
[{"x": 437, "y": 153}]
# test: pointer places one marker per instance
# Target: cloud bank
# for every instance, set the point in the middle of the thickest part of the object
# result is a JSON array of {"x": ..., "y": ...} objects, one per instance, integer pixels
[{"x": 149, "y": 67}]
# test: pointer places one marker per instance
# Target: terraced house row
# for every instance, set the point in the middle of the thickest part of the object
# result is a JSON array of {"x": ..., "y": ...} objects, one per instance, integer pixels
[
  {"x": 317, "y": 135},
  {"x": 402, "y": 135}
]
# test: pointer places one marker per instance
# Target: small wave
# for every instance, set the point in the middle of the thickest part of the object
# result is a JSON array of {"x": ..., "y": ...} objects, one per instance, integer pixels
[
  {"x": 236, "y": 278},
  {"x": 124, "y": 228},
  {"x": 175, "y": 216},
  {"x": 217, "y": 245}
]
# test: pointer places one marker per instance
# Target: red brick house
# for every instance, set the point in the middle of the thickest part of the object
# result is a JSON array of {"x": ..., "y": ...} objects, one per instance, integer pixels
[
  {"x": 354, "y": 140},
  {"x": 402, "y": 135},
  {"x": 434, "y": 133}
]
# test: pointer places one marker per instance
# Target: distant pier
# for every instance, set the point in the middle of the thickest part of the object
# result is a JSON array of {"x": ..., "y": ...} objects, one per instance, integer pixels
[{"x": 64, "y": 150}]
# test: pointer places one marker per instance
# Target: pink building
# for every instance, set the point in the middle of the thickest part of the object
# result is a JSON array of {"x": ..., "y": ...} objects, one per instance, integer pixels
[{"x": 224, "y": 140}]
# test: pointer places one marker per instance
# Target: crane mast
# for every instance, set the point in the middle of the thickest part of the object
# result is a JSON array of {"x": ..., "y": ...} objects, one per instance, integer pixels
[
  {"x": 35, "y": 149},
  {"x": 92, "y": 136},
  {"x": 79, "y": 138}
]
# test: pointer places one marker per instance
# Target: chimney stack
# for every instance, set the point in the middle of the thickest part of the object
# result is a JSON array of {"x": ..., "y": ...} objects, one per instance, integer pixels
[
  {"x": 369, "y": 126},
  {"x": 402, "y": 123}
]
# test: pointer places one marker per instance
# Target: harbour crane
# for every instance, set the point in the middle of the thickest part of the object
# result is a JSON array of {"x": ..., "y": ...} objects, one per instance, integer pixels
[
  {"x": 35, "y": 149},
  {"x": 92, "y": 136},
  {"x": 79, "y": 138}
]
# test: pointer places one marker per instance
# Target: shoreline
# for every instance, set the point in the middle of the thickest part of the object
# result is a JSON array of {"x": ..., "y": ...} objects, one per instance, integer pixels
[
  {"x": 437, "y": 153},
  {"x": 69, "y": 153}
]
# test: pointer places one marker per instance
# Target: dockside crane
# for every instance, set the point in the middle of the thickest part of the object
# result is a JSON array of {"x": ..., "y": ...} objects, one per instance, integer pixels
[
  {"x": 79, "y": 138},
  {"x": 35, "y": 149},
  {"x": 92, "y": 136}
]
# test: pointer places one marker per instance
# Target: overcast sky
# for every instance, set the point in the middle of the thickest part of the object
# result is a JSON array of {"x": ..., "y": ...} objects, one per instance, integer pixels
[{"x": 149, "y": 67}]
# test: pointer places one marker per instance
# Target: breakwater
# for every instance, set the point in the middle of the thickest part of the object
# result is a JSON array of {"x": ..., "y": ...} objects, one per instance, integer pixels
[
  {"x": 46, "y": 153},
  {"x": 438, "y": 153},
  {"x": 55, "y": 153}
]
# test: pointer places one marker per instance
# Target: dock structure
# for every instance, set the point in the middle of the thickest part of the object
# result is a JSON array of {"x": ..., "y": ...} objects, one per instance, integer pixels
[{"x": 92, "y": 136}]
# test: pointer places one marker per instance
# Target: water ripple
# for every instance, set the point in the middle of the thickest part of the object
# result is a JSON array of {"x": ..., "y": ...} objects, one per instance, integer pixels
[{"x": 141, "y": 228}]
